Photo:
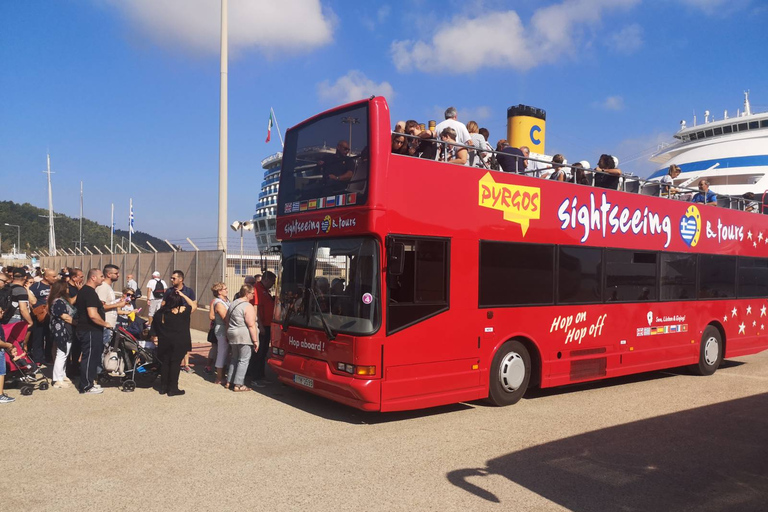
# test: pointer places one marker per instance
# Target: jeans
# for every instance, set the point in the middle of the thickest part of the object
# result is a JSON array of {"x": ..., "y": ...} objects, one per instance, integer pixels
[
  {"x": 238, "y": 363},
  {"x": 92, "y": 345},
  {"x": 221, "y": 351}
]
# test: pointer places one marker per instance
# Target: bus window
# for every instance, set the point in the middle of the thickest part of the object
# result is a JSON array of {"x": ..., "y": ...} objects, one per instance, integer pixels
[
  {"x": 579, "y": 275},
  {"x": 753, "y": 277},
  {"x": 514, "y": 274},
  {"x": 678, "y": 276},
  {"x": 630, "y": 276},
  {"x": 717, "y": 276},
  {"x": 421, "y": 291}
]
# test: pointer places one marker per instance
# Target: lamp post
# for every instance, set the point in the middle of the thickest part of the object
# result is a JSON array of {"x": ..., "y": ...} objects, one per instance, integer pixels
[
  {"x": 350, "y": 121},
  {"x": 240, "y": 226},
  {"x": 19, "y": 228}
]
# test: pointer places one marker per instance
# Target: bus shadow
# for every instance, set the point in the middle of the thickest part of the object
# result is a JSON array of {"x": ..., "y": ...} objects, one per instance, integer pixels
[{"x": 709, "y": 458}]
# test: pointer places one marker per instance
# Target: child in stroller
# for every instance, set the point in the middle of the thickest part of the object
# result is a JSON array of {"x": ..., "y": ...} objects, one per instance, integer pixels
[
  {"x": 20, "y": 368},
  {"x": 129, "y": 357}
]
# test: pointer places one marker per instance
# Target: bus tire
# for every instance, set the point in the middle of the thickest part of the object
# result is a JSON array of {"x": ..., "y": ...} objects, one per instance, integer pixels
[
  {"x": 510, "y": 374},
  {"x": 710, "y": 352}
]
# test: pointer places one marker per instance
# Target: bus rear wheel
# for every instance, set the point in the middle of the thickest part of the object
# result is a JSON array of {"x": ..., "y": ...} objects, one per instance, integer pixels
[
  {"x": 510, "y": 374},
  {"x": 710, "y": 352}
]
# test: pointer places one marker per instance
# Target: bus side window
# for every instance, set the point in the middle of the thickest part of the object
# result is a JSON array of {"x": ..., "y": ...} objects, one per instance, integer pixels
[{"x": 421, "y": 291}]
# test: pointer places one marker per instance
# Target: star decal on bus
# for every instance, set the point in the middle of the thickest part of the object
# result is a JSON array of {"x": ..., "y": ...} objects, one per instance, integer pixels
[
  {"x": 749, "y": 235},
  {"x": 749, "y": 310},
  {"x": 762, "y": 311},
  {"x": 733, "y": 313},
  {"x": 741, "y": 328}
]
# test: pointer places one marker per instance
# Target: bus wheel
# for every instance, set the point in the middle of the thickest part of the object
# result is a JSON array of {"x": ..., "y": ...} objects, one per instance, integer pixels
[
  {"x": 710, "y": 352},
  {"x": 510, "y": 374}
]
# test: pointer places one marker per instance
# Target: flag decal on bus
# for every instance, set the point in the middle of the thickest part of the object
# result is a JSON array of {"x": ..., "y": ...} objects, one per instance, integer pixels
[{"x": 518, "y": 203}]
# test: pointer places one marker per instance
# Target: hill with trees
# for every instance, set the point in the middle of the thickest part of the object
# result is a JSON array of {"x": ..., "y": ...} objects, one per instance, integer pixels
[{"x": 34, "y": 231}]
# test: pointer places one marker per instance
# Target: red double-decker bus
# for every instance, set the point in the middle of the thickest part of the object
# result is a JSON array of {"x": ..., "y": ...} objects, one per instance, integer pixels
[{"x": 408, "y": 283}]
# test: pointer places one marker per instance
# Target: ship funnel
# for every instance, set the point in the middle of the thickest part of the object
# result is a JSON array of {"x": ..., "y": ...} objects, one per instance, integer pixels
[{"x": 526, "y": 126}]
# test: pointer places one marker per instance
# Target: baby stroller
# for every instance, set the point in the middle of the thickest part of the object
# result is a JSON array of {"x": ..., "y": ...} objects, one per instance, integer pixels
[
  {"x": 22, "y": 371},
  {"x": 130, "y": 359}
]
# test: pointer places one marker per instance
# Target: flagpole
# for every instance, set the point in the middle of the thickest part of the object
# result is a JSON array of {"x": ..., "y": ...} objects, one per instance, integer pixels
[
  {"x": 81, "y": 215},
  {"x": 130, "y": 224},
  {"x": 112, "y": 231},
  {"x": 277, "y": 126},
  {"x": 223, "y": 127}
]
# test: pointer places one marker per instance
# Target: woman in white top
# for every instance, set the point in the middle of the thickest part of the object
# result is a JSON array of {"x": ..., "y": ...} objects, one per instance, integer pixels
[
  {"x": 477, "y": 157},
  {"x": 218, "y": 314},
  {"x": 667, "y": 181}
]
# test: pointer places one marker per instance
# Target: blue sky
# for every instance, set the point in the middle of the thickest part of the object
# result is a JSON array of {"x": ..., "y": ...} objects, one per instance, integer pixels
[{"x": 125, "y": 93}]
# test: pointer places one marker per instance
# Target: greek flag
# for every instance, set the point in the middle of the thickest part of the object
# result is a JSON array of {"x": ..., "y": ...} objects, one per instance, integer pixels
[{"x": 130, "y": 219}]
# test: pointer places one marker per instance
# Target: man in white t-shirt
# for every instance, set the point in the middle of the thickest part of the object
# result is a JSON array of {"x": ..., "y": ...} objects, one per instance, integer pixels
[
  {"x": 155, "y": 294},
  {"x": 462, "y": 134},
  {"x": 111, "y": 304}
]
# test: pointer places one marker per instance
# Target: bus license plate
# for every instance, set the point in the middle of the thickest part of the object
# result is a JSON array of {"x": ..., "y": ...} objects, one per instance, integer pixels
[{"x": 304, "y": 381}]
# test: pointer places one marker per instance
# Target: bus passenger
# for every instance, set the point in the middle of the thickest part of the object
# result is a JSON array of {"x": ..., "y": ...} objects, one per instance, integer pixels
[
  {"x": 450, "y": 153},
  {"x": 399, "y": 146},
  {"x": 510, "y": 159},
  {"x": 479, "y": 157},
  {"x": 583, "y": 177},
  {"x": 423, "y": 148},
  {"x": 667, "y": 181},
  {"x": 704, "y": 195},
  {"x": 559, "y": 171},
  {"x": 609, "y": 177}
]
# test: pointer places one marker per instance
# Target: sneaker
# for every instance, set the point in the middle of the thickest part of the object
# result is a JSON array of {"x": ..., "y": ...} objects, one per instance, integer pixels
[
  {"x": 97, "y": 385},
  {"x": 93, "y": 391},
  {"x": 5, "y": 399}
]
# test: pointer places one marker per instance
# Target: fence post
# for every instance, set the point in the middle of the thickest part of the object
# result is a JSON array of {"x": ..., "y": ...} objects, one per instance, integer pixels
[{"x": 197, "y": 260}]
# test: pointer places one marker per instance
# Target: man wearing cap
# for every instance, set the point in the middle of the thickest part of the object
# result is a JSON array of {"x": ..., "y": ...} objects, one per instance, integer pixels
[{"x": 155, "y": 294}]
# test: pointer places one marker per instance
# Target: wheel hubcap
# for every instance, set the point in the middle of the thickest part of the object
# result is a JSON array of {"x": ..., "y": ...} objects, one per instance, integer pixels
[
  {"x": 711, "y": 351},
  {"x": 512, "y": 372}
]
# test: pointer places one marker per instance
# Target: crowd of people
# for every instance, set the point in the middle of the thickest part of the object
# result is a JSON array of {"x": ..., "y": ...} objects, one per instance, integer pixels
[{"x": 69, "y": 319}]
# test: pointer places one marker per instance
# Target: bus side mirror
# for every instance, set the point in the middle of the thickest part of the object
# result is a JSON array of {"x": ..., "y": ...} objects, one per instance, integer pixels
[{"x": 396, "y": 259}]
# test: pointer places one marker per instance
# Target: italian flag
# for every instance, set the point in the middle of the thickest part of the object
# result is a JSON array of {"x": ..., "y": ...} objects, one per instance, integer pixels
[{"x": 269, "y": 127}]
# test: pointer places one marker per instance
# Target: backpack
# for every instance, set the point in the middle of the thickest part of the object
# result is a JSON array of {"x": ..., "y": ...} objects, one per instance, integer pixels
[
  {"x": 159, "y": 290},
  {"x": 6, "y": 303}
]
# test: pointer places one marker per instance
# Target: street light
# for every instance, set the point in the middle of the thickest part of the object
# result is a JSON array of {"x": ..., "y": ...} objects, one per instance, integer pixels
[
  {"x": 19, "y": 228},
  {"x": 240, "y": 226},
  {"x": 350, "y": 121}
]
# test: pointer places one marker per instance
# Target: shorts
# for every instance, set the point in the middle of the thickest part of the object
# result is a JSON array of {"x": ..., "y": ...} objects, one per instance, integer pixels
[{"x": 154, "y": 305}]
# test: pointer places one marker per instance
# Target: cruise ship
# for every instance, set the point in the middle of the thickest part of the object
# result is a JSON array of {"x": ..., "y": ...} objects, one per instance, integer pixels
[
  {"x": 732, "y": 152},
  {"x": 264, "y": 222}
]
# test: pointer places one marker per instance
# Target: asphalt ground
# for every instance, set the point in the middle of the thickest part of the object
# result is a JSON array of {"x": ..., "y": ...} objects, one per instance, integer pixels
[{"x": 658, "y": 441}]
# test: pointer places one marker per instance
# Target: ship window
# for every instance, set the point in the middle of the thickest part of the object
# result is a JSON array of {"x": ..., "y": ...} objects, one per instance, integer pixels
[
  {"x": 699, "y": 135},
  {"x": 693, "y": 136},
  {"x": 742, "y": 127},
  {"x": 708, "y": 133},
  {"x": 718, "y": 131},
  {"x": 753, "y": 125},
  {"x": 727, "y": 129},
  {"x": 764, "y": 123}
]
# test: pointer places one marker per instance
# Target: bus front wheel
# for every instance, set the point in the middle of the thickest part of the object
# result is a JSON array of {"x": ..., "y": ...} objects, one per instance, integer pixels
[
  {"x": 510, "y": 374},
  {"x": 710, "y": 352}
]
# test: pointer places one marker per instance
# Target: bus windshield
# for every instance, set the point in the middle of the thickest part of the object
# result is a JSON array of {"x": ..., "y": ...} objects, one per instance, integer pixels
[
  {"x": 330, "y": 284},
  {"x": 326, "y": 158}
]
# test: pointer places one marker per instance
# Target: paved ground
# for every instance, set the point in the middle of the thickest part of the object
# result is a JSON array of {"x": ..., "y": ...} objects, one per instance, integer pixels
[{"x": 659, "y": 441}]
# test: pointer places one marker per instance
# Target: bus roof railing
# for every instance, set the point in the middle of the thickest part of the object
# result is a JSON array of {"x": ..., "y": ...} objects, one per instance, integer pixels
[{"x": 628, "y": 182}]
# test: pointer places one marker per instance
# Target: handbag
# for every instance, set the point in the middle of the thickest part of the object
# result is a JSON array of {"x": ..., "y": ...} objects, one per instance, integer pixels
[
  {"x": 40, "y": 312},
  {"x": 212, "y": 333}
]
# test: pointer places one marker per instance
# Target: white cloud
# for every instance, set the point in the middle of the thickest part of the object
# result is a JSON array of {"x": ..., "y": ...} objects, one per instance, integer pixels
[
  {"x": 195, "y": 25},
  {"x": 719, "y": 7},
  {"x": 352, "y": 87},
  {"x": 553, "y": 31},
  {"x": 613, "y": 103},
  {"x": 627, "y": 40},
  {"x": 383, "y": 13}
]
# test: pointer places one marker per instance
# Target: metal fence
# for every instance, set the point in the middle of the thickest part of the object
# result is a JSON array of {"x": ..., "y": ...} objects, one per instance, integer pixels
[{"x": 201, "y": 268}]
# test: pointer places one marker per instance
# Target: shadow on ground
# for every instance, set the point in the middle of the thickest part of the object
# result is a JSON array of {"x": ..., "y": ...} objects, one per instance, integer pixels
[{"x": 709, "y": 458}]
